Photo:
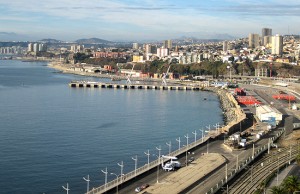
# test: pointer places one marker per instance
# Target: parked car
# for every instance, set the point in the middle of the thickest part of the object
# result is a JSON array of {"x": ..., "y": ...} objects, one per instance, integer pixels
[{"x": 142, "y": 187}]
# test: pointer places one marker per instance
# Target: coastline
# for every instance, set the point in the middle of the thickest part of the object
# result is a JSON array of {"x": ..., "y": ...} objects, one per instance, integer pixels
[{"x": 232, "y": 113}]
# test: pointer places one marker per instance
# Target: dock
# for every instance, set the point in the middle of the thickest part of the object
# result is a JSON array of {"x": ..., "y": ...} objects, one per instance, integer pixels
[{"x": 88, "y": 84}]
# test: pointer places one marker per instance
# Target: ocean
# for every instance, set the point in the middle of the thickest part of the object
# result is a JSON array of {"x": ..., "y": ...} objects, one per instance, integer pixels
[{"x": 52, "y": 134}]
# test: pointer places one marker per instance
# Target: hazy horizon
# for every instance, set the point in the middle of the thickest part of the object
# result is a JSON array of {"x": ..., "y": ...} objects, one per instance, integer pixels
[{"x": 133, "y": 20}]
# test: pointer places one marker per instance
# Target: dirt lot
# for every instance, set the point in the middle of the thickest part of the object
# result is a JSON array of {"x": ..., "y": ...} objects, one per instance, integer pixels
[{"x": 291, "y": 139}]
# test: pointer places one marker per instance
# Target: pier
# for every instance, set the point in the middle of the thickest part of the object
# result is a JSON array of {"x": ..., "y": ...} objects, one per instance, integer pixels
[{"x": 87, "y": 84}]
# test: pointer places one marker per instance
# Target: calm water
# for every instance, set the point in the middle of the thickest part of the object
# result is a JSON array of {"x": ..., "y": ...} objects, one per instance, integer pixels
[{"x": 52, "y": 134}]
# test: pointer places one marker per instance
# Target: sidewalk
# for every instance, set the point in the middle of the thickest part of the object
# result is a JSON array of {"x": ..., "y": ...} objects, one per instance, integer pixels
[{"x": 179, "y": 180}]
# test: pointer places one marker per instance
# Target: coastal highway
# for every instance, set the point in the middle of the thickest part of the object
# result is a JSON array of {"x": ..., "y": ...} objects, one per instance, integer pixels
[{"x": 215, "y": 146}]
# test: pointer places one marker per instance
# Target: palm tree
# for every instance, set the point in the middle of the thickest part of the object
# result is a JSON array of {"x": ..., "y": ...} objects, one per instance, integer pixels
[
  {"x": 291, "y": 184},
  {"x": 278, "y": 190}
]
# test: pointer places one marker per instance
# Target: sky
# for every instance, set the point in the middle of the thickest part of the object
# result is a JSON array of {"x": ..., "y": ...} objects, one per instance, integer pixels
[{"x": 139, "y": 20}]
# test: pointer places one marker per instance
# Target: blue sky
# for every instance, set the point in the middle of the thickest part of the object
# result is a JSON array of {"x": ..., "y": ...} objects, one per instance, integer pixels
[{"x": 144, "y": 19}]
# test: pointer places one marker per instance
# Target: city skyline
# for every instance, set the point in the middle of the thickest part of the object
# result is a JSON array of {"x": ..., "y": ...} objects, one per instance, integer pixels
[{"x": 132, "y": 20}]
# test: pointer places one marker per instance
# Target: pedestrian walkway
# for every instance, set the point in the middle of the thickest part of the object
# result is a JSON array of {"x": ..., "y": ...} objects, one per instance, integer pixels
[{"x": 179, "y": 180}]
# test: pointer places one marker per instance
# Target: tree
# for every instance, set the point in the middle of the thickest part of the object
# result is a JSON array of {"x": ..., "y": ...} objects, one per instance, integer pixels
[
  {"x": 298, "y": 159},
  {"x": 278, "y": 190},
  {"x": 291, "y": 184}
]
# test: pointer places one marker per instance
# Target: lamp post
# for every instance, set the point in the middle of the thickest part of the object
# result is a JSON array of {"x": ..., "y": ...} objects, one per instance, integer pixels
[
  {"x": 148, "y": 154},
  {"x": 207, "y": 140},
  {"x": 290, "y": 154},
  {"x": 237, "y": 162},
  {"x": 187, "y": 147},
  {"x": 253, "y": 151},
  {"x": 117, "y": 177},
  {"x": 105, "y": 172},
  {"x": 157, "y": 173},
  {"x": 277, "y": 170},
  {"x": 229, "y": 67},
  {"x": 135, "y": 164},
  {"x": 66, "y": 188},
  {"x": 195, "y": 133},
  {"x": 208, "y": 128},
  {"x": 169, "y": 144},
  {"x": 217, "y": 127},
  {"x": 87, "y": 182},
  {"x": 178, "y": 142},
  {"x": 122, "y": 166},
  {"x": 226, "y": 172},
  {"x": 202, "y": 134}
]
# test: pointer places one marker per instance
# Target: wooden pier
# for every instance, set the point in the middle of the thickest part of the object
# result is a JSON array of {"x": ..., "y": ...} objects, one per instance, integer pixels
[{"x": 85, "y": 84}]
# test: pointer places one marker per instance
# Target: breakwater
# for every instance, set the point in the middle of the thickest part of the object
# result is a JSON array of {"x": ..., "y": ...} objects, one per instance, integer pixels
[{"x": 87, "y": 84}]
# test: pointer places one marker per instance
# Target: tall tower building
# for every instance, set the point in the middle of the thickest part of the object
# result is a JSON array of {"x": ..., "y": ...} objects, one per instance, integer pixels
[
  {"x": 30, "y": 47},
  {"x": 167, "y": 44},
  {"x": 253, "y": 40},
  {"x": 277, "y": 44},
  {"x": 135, "y": 46},
  {"x": 265, "y": 32},
  {"x": 36, "y": 47},
  {"x": 225, "y": 46},
  {"x": 150, "y": 49}
]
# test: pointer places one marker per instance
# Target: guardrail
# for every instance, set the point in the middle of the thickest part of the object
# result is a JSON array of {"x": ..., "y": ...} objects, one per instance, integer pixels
[
  {"x": 126, "y": 177},
  {"x": 245, "y": 163}
]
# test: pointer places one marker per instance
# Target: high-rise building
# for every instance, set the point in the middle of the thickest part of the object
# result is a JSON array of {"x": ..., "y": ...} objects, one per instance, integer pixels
[
  {"x": 167, "y": 44},
  {"x": 150, "y": 49},
  {"x": 30, "y": 47},
  {"x": 162, "y": 52},
  {"x": 135, "y": 46},
  {"x": 265, "y": 32},
  {"x": 253, "y": 40},
  {"x": 277, "y": 44},
  {"x": 36, "y": 47},
  {"x": 225, "y": 46},
  {"x": 267, "y": 41}
]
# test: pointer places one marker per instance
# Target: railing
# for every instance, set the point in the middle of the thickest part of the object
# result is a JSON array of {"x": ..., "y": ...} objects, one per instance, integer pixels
[
  {"x": 245, "y": 163},
  {"x": 112, "y": 184}
]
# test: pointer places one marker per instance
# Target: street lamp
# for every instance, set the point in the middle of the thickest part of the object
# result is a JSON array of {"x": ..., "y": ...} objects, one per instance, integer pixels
[
  {"x": 66, "y": 188},
  {"x": 253, "y": 151},
  {"x": 135, "y": 164},
  {"x": 290, "y": 154},
  {"x": 208, "y": 128},
  {"x": 195, "y": 133},
  {"x": 157, "y": 174},
  {"x": 169, "y": 144},
  {"x": 178, "y": 142},
  {"x": 237, "y": 162},
  {"x": 117, "y": 176},
  {"x": 207, "y": 140},
  {"x": 229, "y": 67},
  {"x": 105, "y": 172},
  {"x": 202, "y": 134},
  {"x": 148, "y": 154},
  {"x": 207, "y": 145},
  {"x": 187, "y": 146},
  {"x": 88, "y": 181},
  {"x": 217, "y": 127},
  {"x": 122, "y": 166}
]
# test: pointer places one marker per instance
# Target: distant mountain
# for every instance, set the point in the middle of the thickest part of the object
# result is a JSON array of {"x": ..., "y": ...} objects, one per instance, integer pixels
[
  {"x": 50, "y": 40},
  {"x": 11, "y": 36},
  {"x": 92, "y": 41}
]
